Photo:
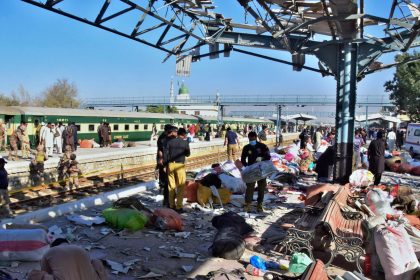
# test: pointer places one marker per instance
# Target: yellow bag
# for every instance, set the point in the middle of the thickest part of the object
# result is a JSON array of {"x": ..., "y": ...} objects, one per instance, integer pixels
[{"x": 204, "y": 194}]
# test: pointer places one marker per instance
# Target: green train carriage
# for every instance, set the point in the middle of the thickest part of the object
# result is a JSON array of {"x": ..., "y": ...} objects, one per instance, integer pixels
[{"x": 130, "y": 126}]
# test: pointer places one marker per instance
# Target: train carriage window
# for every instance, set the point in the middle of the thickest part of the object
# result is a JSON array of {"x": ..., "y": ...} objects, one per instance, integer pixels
[
  {"x": 127, "y": 127},
  {"x": 162, "y": 126},
  {"x": 136, "y": 127},
  {"x": 115, "y": 127},
  {"x": 146, "y": 126},
  {"x": 417, "y": 132},
  {"x": 91, "y": 127},
  {"x": 78, "y": 127}
]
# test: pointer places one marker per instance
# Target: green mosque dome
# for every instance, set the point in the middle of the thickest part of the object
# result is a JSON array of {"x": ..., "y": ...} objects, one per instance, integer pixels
[{"x": 183, "y": 90}]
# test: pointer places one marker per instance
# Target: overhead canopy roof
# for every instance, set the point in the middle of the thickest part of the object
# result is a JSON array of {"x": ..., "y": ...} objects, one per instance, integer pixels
[
  {"x": 377, "y": 116},
  {"x": 300, "y": 117}
]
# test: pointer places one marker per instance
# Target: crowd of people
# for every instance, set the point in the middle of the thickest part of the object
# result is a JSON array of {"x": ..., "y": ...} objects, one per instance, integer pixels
[
  {"x": 173, "y": 148},
  {"x": 52, "y": 137}
]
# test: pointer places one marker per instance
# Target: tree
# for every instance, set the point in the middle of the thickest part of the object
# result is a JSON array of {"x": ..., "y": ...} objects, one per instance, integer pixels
[
  {"x": 21, "y": 98},
  {"x": 404, "y": 88},
  {"x": 61, "y": 94},
  {"x": 160, "y": 109}
]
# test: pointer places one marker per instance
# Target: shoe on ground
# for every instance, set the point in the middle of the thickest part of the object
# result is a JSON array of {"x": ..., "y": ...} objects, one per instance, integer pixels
[
  {"x": 260, "y": 208},
  {"x": 247, "y": 207}
]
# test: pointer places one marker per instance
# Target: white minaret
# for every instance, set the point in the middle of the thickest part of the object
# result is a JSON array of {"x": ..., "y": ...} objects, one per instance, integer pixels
[{"x": 171, "y": 92}]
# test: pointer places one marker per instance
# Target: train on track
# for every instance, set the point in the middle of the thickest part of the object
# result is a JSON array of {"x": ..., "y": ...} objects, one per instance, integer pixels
[{"x": 130, "y": 126}]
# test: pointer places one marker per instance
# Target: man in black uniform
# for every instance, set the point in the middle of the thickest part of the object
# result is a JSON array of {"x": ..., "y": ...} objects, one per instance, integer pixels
[
  {"x": 252, "y": 153},
  {"x": 160, "y": 164},
  {"x": 178, "y": 148}
]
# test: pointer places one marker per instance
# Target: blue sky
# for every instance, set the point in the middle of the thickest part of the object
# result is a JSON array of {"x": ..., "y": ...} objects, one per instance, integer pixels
[{"x": 37, "y": 47}]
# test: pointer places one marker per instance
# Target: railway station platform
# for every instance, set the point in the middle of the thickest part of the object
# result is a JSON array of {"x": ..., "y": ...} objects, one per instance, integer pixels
[{"x": 98, "y": 160}]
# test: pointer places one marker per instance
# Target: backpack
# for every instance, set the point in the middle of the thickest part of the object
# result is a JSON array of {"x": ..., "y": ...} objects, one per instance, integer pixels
[
  {"x": 228, "y": 244},
  {"x": 233, "y": 220}
]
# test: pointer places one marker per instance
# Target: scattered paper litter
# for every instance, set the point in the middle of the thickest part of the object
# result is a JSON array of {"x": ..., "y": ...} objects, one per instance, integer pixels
[
  {"x": 86, "y": 220},
  {"x": 150, "y": 275},
  {"x": 183, "y": 234},
  {"x": 105, "y": 231},
  {"x": 121, "y": 267},
  {"x": 187, "y": 268}
]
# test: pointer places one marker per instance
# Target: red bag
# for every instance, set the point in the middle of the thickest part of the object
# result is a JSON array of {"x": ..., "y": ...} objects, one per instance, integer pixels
[
  {"x": 395, "y": 167},
  {"x": 405, "y": 168},
  {"x": 166, "y": 219},
  {"x": 415, "y": 171},
  {"x": 190, "y": 192}
]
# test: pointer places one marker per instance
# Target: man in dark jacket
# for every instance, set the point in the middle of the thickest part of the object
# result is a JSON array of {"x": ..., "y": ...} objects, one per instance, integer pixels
[
  {"x": 160, "y": 164},
  {"x": 177, "y": 149},
  {"x": 376, "y": 157},
  {"x": 4, "y": 184},
  {"x": 252, "y": 153}
]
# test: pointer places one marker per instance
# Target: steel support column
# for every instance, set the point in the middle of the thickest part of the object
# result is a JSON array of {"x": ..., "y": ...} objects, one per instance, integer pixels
[
  {"x": 345, "y": 112},
  {"x": 279, "y": 137},
  {"x": 366, "y": 120}
]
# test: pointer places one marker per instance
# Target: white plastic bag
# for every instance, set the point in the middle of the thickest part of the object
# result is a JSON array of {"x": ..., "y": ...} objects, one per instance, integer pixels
[
  {"x": 230, "y": 167},
  {"x": 379, "y": 202},
  {"x": 201, "y": 174},
  {"x": 361, "y": 177},
  {"x": 235, "y": 185},
  {"x": 23, "y": 244},
  {"x": 257, "y": 171},
  {"x": 395, "y": 252}
]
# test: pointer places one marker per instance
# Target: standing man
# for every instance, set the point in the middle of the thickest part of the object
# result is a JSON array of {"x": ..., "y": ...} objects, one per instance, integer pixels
[
  {"x": 357, "y": 144},
  {"x": 2, "y": 136},
  {"x": 160, "y": 163},
  {"x": 317, "y": 138},
  {"x": 104, "y": 135},
  {"x": 178, "y": 148},
  {"x": 75, "y": 139},
  {"x": 25, "y": 144},
  {"x": 376, "y": 157},
  {"x": 392, "y": 137},
  {"x": 49, "y": 139},
  {"x": 68, "y": 137},
  {"x": 262, "y": 135},
  {"x": 4, "y": 184},
  {"x": 232, "y": 142},
  {"x": 14, "y": 139},
  {"x": 252, "y": 153},
  {"x": 99, "y": 131},
  {"x": 58, "y": 138},
  {"x": 42, "y": 134}
]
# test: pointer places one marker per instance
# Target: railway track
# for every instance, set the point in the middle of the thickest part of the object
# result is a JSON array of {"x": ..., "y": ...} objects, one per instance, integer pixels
[
  {"x": 53, "y": 193},
  {"x": 37, "y": 197}
]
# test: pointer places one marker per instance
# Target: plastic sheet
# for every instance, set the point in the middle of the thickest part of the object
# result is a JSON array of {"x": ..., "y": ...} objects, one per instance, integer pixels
[
  {"x": 235, "y": 185},
  {"x": 258, "y": 171},
  {"x": 361, "y": 177},
  {"x": 379, "y": 202},
  {"x": 395, "y": 252}
]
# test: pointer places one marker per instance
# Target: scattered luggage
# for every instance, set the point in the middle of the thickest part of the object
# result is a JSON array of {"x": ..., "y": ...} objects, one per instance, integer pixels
[
  {"x": 395, "y": 252},
  {"x": 23, "y": 244},
  {"x": 167, "y": 219},
  {"x": 123, "y": 218}
]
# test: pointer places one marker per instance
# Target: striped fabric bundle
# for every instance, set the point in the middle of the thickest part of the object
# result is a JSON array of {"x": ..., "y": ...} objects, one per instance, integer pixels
[{"x": 23, "y": 244}]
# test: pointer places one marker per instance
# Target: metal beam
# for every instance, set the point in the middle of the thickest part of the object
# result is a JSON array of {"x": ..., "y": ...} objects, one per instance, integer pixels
[{"x": 327, "y": 73}]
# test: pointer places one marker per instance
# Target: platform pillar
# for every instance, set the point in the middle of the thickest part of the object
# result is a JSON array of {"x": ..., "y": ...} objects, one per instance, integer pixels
[
  {"x": 345, "y": 111},
  {"x": 279, "y": 137}
]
